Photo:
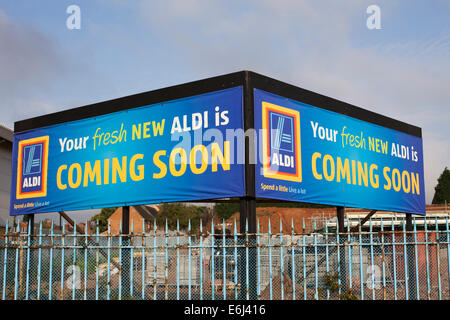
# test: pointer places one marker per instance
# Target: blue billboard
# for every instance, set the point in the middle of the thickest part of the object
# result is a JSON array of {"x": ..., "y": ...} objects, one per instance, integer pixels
[
  {"x": 309, "y": 154},
  {"x": 193, "y": 149},
  {"x": 171, "y": 151}
]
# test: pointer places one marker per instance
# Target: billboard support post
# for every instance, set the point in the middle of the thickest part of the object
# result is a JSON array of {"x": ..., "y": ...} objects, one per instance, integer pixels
[
  {"x": 248, "y": 233},
  {"x": 125, "y": 263},
  {"x": 363, "y": 221},
  {"x": 411, "y": 257},
  {"x": 341, "y": 229},
  {"x": 247, "y": 221},
  {"x": 341, "y": 219},
  {"x": 32, "y": 242}
]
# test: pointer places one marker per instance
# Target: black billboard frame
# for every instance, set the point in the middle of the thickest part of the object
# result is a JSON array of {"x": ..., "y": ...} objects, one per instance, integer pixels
[{"x": 249, "y": 80}]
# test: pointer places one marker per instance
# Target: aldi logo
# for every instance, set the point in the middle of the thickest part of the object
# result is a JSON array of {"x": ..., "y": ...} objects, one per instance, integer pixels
[
  {"x": 281, "y": 143},
  {"x": 32, "y": 161}
]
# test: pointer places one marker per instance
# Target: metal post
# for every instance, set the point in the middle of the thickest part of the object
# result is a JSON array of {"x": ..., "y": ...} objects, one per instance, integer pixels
[
  {"x": 125, "y": 262},
  {"x": 340, "y": 218},
  {"x": 248, "y": 225},
  {"x": 364, "y": 220},
  {"x": 411, "y": 258},
  {"x": 248, "y": 211},
  {"x": 248, "y": 203},
  {"x": 341, "y": 229},
  {"x": 31, "y": 223},
  {"x": 32, "y": 243}
]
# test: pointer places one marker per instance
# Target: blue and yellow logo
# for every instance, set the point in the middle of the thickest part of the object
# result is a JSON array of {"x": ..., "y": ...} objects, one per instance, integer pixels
[
  {"x": 281, "y": 143},
  {"x": 32, "y": 162}
]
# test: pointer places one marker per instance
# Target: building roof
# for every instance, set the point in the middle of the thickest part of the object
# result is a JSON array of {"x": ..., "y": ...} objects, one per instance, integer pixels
[
  {"x": 146, "y": 212},
  {"x": 6, "y": 134}
]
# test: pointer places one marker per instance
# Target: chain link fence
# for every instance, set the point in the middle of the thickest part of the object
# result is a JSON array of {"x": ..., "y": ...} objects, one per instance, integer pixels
[{"x": 218, "y": 265}]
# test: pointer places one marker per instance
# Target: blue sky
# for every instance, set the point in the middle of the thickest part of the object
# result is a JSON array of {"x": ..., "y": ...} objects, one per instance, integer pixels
[{"x": 126, "y": 47}]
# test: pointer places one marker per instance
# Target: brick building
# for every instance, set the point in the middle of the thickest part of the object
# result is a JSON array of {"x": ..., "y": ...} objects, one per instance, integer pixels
[
  {"x": 139, "y": 215},
  {"x": 6, "y": 139},
  {"x": 307, "y": 220}
]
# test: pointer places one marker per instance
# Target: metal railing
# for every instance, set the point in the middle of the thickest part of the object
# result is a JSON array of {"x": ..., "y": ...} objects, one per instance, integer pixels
[{"x": 386, "y": 263}]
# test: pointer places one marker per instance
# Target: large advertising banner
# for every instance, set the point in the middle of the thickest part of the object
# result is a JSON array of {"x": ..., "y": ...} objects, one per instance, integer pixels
[
  {"x": 171, "y": 151},
  {"x": 310, "y": 154}
]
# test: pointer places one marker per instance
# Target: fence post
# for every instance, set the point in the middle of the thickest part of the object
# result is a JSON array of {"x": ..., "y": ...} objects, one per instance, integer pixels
[
  {"x": 341, "y": 229},
  {"x": 248, "y": 213},
  {"x": 411, "y": 257},
  {"x": 31, "y": 223},
  {"x": 125, "y": 263},
  {"x": 31, "y": 271}
]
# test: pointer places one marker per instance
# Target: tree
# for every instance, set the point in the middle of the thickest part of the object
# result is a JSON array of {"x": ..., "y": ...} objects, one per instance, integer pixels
[
  {"x": 225, "y": 210},
  {"x": 442, "y": 189},
  {"x": 173, "y": 212},
  {"x": 103, "y": 217}
]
